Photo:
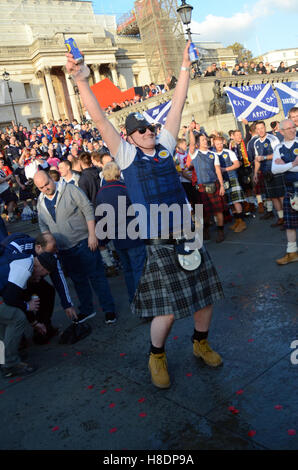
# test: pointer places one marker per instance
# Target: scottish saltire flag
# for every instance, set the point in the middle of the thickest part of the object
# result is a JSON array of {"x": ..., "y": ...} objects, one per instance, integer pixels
[
  {"x": 159, "y": 113},
  {"x": 253, "y": 102},
  {"x": 288, "y": 93}
]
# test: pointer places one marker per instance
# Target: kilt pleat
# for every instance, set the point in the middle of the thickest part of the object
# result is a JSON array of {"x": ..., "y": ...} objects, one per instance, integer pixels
[
  {"x": 165, "y": 288},
  {"x": 275, "y": 187},
  {"x": 235, "y": 192},
  {"x": 290, "y": 215}
]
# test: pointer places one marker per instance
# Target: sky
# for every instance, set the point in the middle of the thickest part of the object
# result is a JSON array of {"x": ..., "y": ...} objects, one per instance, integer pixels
[{"x": 261, "y": 25}]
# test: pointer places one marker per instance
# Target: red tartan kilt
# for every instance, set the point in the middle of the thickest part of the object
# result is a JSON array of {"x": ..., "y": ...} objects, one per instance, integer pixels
[
  {"x": 212, "y": 203},
  {"x": 259, "y": 188}
]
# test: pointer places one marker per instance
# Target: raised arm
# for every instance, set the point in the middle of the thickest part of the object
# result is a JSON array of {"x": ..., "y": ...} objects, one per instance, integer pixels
[
  {"x": 80, "y": 73},
  {"x": 174, "y": 117}
]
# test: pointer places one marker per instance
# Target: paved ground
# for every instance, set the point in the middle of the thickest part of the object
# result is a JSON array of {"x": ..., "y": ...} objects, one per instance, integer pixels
[{"x": 97, "y": 394}]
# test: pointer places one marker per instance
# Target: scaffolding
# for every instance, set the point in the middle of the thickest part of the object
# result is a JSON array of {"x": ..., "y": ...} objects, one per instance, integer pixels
[{"x": 161, "y": 32}]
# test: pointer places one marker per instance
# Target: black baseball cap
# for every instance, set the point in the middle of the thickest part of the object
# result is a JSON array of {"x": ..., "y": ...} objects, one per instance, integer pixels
[
  {"x": 135, "y": 121},
  {"x": 48, "y": 261}
]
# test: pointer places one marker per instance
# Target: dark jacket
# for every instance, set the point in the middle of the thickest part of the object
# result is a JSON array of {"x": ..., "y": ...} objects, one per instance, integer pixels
[{"x": 89, "y": 182}]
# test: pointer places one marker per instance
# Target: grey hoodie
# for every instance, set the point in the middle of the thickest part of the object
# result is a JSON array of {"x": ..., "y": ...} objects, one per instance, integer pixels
[{"x": 73, "y": 211}]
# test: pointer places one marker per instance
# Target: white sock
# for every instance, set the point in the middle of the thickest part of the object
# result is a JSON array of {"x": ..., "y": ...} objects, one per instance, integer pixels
[
  {"x": 292, "y": 247},
  {"x": 259, "y": 199},
  {"x": 269, "y": 206},
  {"x": 280, "y": 214}
]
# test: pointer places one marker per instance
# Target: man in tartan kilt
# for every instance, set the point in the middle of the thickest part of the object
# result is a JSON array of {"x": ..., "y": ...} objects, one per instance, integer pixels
[
  {"x": 229, "y": 163},
  {"x": 210, "y": 183},
  {"x": 166, "y": 291},
  {"x": 285, "y": 161}
]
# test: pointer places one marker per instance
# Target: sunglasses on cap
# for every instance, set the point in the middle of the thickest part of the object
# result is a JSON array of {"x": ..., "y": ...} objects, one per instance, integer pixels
[{"x": 142, "y": 130}]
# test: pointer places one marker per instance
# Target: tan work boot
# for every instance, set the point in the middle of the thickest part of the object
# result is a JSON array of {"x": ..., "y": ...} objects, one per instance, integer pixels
[
  {"x": 241, "y": 226},
  {"x": 204, "y": 351},
  {"x": 288, "y": 258},
  {"x": 158, "y": 367},
  {"x": 232, "y": 227}
]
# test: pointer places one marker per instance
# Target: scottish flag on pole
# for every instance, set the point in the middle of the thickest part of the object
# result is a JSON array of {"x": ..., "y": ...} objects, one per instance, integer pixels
[
  {"x": 253, "y": 102},
  {"x": 288, "y": 93},
  {"x": 158, "y": 114}
]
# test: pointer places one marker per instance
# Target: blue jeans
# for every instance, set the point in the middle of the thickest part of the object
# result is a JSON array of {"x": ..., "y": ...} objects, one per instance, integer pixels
[
  {"x": 85, "y": 267},
  {"x": 132, "y": 260}
]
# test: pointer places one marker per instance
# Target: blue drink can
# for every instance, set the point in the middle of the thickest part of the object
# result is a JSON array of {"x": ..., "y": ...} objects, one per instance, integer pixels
[
  {"x": 192, "y": 51},
  {"x": 73, "y": 49}
]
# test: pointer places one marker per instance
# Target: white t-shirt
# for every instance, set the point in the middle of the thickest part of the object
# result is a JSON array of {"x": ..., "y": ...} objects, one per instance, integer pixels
[
  {"x": 276, "y": 168},
  {"x": 127, "y": 152},
  {"x": 232, "y": 156}
]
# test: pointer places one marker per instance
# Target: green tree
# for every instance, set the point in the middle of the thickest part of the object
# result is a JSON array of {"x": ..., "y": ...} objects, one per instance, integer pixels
[{"x": 241, "y": 52}]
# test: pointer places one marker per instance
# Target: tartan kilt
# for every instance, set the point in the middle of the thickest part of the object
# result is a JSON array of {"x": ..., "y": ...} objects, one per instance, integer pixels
[
  {"x": 290, "y": 215},
  {"x": 235, "y": 192},
  {"x": 259, "y": 187},
  {"x": 165, "y": 288},
  {"x": 212, "y": 203},
  {"x": 275, "y": 187}
]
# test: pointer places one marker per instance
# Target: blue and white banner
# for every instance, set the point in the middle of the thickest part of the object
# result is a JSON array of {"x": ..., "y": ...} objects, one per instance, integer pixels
[
  {"x": 253, "y": 102},
  {"x": 159, "y": 113},
  {"x": 288, "y": 93}
]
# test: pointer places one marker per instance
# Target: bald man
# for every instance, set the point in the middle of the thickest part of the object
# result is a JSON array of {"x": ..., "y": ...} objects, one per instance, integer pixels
[{"x": 65, "y": 211}]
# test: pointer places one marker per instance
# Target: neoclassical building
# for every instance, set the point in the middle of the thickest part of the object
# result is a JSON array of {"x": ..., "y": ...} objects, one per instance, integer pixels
[{"x": 32, "y": 51}]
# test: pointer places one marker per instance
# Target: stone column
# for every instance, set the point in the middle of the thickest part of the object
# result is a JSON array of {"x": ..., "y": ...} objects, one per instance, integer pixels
[
  {"x": 95, "y": 70},
  {"x": 113, "y": 68},
  {"x": 47, "y": 111},
  {"x": 52, "y": 96},
  {"x": 72, "y": 96}
]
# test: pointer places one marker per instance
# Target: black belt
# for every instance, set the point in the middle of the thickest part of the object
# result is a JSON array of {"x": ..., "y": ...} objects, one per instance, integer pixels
[{"x": 163, "y": 241}]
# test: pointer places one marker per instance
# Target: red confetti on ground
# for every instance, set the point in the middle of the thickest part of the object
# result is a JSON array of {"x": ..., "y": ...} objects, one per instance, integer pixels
[
  {"x": 231, "y": 318},
  {"x": 18, "y": 379},
  {"x": 11, "y": 381},
  {"x": 233, "y": 410},
  {"x": 102, "y": 392},
  {"x": 90, "y": 387},
  {"x": 273, "y": 295},
  {"x": 189, "y": 374},
  {"x": 141, "y": 400},
  {"x": 292, "y": 432},
  {"x": 143, "y": 415},
  {"x": 78, "y": 353},
  {"x": 65, "y": 354},
  {"x": 122, "y": 354},
  {"x": 1, "y": 392},
  {"x": 278, "y": 407},
  {"x": 55, "y": 428},
  {"x": 118, "y": 389},
  {"x": 251, "y": 433},
  {"x": 112, "y": 430},
  {"x": 112, "y": 405},
  {"x": 175, "y": 337},
  {"x": 239, "y": 392},
  {"x": 250, "y": 340}
]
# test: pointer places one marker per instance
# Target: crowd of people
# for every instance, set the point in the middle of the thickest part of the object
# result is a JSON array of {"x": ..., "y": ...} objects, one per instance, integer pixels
[{"x": 67, "y": 173}]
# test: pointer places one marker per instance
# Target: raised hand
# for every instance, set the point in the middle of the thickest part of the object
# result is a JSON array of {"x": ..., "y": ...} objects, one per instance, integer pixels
[{"x": 78, "y": 71}]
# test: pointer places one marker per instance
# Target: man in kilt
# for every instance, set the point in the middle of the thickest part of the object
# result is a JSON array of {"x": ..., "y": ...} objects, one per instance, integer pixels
[
  {"x": 274, "y": 184},
  {"x": 229, "y": 163},
  {"x": 210, "y": 184},
  {"x": 166, "y": 291},
  {"x": 285, "y": 161}
]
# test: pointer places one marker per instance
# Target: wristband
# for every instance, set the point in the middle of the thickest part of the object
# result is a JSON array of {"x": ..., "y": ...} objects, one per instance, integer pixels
[
  {"x": 34, "y": 323},
  {"x": 265, "y": 158},
  {"x": 185, "y": 69}
]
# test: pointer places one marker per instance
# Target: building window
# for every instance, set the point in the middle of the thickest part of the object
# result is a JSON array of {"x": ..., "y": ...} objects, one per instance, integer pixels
[{"x": 28, "y": 90}]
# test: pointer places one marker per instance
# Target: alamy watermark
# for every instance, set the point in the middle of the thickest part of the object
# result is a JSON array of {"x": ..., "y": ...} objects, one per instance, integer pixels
[
  {"x": 2, "y": 353},
  {"x": 159, "y": 221},
  {"x": 294, "y": 355}
]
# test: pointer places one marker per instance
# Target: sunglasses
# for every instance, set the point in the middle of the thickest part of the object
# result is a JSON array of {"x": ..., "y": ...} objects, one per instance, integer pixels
[{"x": 143, "y": 129}]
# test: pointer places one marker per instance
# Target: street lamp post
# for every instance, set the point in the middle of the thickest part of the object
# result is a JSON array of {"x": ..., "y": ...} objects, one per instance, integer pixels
[
  {"x": 185, "y": 12},
  {"x": 6, "y": 78}
]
